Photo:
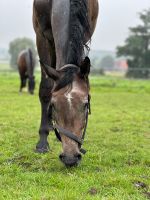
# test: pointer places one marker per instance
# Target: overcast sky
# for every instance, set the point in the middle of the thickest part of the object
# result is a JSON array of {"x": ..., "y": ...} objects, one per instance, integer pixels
[{"x": 115, "y": 17}]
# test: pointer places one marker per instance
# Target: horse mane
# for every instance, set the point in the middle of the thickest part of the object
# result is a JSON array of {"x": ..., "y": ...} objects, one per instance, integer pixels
[{"x": 79, "y": 29}]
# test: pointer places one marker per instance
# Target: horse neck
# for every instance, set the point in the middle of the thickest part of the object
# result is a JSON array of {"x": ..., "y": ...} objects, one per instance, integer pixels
[{"x": 71, "y": 27}]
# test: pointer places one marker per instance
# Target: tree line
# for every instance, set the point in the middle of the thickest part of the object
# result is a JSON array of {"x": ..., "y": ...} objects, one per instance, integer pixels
[
  {"x": 136, "y": 49},
  {"x": 16, "y": 46}
]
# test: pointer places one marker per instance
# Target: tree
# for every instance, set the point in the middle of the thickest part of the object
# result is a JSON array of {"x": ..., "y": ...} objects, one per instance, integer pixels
[
  {"x": 16, "y": 46},
  {"x": 137, "y": 48}
]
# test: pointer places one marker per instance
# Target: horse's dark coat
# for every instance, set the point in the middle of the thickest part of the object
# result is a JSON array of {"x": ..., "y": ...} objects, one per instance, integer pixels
[
  {"x": 26, "y": 64},
  {"x": 63, "y": 29}
]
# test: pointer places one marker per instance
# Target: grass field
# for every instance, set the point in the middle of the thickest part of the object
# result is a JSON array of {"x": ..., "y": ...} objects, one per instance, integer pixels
[{"x": 116, "y": 166}]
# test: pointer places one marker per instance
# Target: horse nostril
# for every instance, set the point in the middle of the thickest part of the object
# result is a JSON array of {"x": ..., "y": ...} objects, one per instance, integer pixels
[
  {"x": 61, "y": 156},
  {"x": 70, "y": 160},
  {"x": 79, "y": 156}
]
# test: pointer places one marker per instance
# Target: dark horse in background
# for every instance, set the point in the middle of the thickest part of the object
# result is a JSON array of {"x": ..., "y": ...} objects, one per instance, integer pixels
[
  {"x": 63, "y": 29},
  {"x": 26, "y": 65}
]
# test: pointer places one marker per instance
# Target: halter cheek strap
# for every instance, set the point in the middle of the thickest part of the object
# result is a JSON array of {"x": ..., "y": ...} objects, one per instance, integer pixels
[{"x": 59, "y": 130}]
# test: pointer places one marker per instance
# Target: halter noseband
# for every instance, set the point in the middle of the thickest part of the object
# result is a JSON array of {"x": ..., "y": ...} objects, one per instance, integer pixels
[{"x": 59, "y": 130}]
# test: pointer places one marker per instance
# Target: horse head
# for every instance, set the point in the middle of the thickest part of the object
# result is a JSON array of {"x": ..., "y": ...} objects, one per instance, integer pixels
[{"x": 69, "y": 102}]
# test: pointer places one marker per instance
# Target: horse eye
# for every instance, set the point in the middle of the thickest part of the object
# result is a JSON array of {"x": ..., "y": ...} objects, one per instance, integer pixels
[{"x": 85, "y": 105}]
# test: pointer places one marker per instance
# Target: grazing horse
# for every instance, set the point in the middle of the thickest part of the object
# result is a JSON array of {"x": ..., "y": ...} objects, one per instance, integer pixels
[
  {"x": 63, "y": 29},
  {"x": 26, "y": 65}
]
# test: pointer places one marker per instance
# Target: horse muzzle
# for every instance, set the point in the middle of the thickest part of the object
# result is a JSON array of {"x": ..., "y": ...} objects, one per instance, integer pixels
[{"x": 70, "y": 161}]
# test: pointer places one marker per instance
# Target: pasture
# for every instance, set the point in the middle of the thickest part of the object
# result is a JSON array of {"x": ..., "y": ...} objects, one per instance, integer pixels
[{"x": 116, "y": 166}]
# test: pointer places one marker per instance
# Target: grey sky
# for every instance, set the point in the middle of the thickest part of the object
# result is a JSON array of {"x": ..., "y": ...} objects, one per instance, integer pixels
[{"x": 112, "y": 28}]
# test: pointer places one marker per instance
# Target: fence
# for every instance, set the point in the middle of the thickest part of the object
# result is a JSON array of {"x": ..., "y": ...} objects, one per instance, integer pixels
[
  {"x": 5, "y": 67},
  {"x": 139, "y": 72}
]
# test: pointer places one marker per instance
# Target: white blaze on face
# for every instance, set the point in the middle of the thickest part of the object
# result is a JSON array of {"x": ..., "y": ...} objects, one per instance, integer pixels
[
  {"x": 69, "y": 98},
  {"x": 75, "y": 89},
  {"x": 69, "y": 95}
]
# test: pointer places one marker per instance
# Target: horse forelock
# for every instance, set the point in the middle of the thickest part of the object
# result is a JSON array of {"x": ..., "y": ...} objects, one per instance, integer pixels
[{"x": 67, "y": 78}]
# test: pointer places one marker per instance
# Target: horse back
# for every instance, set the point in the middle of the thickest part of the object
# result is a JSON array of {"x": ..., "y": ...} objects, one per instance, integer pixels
[
  {"x": 21, "y": 62},
  {"x": 26, "y": 62}
]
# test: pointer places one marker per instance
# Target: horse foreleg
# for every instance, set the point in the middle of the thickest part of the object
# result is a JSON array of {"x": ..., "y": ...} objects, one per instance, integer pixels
[
  {"x": 46, "y": 86},
  {"x": 45, "y": 96}
]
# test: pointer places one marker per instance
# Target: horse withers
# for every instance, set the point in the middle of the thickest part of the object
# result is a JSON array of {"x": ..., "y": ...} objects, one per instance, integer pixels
[
  {"x": 63, "y": 29},
  {"x": 26, "y": 65}
]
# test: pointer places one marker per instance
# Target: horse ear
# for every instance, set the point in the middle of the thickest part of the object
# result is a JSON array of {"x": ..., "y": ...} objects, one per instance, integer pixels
[
  {"x": 51, "y": 72},
  {"x": 85, "y": 66}
]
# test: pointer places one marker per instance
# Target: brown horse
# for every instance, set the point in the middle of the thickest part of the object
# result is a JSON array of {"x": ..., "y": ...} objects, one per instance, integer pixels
[
  {"x": 26, "y": 65},
  {"x": 63, "y": 29}
]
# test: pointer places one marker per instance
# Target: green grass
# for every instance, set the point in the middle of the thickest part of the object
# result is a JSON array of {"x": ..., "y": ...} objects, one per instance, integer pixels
[
  {"x": 4, "y": 66},
  {"x": 117, "y": 142}
]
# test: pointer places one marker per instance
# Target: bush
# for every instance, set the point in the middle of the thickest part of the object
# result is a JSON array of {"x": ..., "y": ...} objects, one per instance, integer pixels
[{"x": 16, "y": 46}]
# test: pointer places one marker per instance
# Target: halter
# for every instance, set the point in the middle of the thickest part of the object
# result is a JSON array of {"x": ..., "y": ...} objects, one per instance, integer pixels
[{"x": 58, "y": 129}]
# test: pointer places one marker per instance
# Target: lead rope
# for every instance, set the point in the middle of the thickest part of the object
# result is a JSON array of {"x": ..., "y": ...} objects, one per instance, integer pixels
[{"x": 83, "y": 151}]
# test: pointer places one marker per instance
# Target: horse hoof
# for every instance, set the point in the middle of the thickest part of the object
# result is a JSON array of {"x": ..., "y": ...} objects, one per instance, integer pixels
[{"x": 41, "y": 150}]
